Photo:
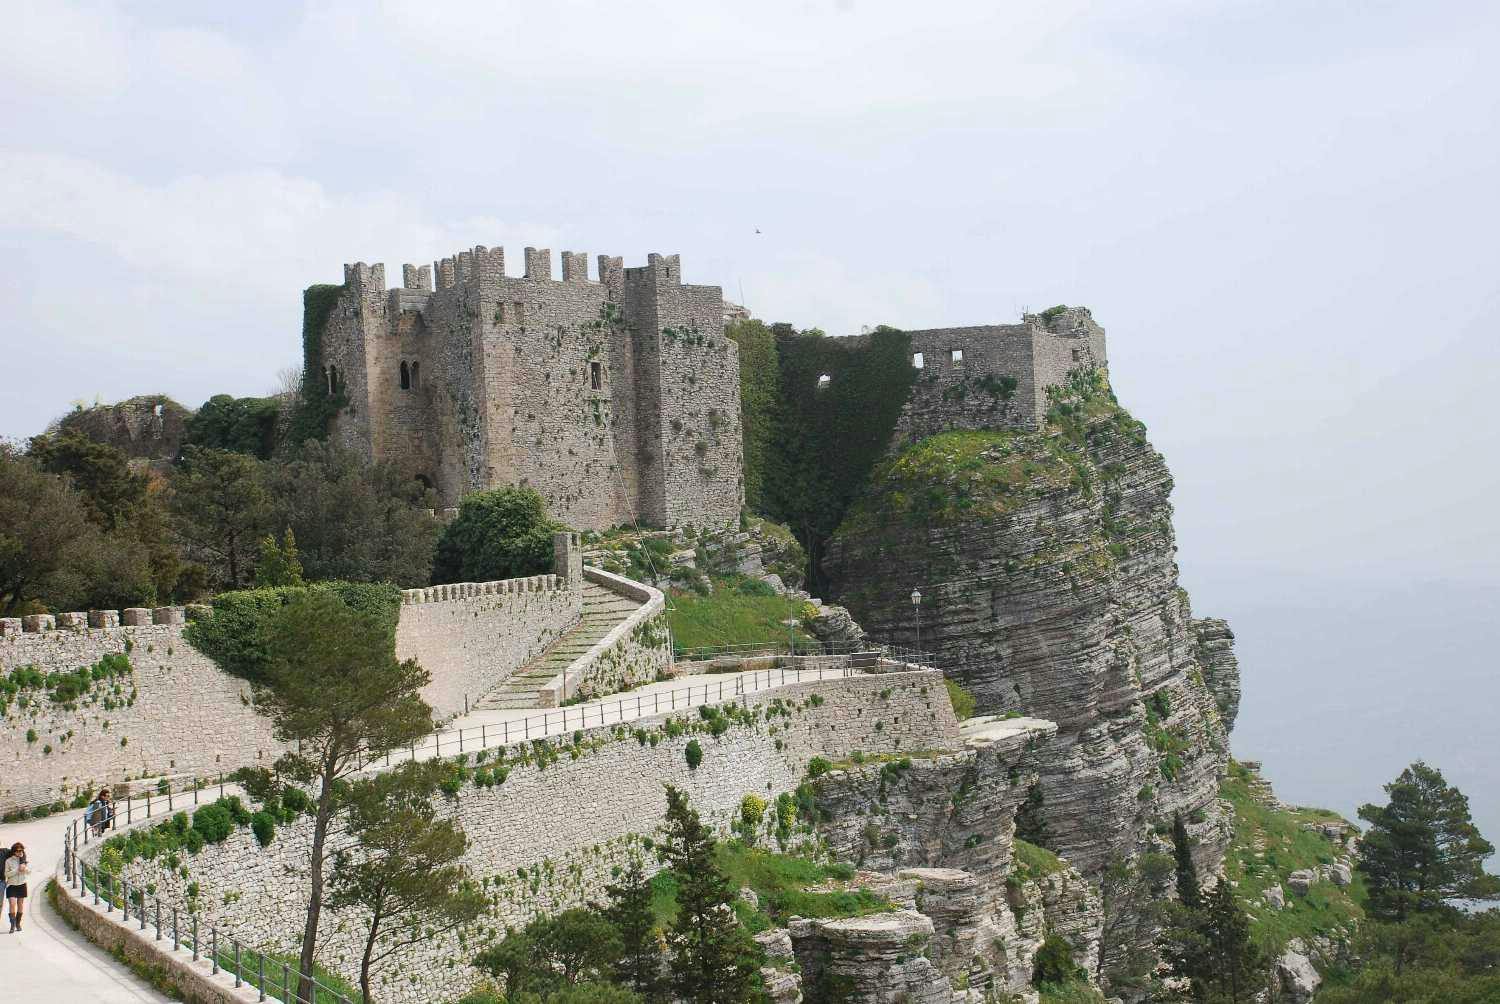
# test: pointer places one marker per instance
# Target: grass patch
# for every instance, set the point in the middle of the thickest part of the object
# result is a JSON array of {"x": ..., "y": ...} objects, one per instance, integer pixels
[
  {"x": 1033, "y": 862},
  {"x": 782, "y": 884},
  {"x": 1325, "y": 910},
  {"x": 1070, "y": 993},
  {"x": 739, "y": 611}
]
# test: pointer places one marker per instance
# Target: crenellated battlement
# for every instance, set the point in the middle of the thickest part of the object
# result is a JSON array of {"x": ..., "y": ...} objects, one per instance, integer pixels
[
  {"x": 472, "y": 377},
  {"x": 466, "y": 590},
  {"x": 108, "y": 620}
]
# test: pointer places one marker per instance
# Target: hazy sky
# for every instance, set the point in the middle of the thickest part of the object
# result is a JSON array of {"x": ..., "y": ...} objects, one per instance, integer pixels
[{"x": 1284, "y": 213}]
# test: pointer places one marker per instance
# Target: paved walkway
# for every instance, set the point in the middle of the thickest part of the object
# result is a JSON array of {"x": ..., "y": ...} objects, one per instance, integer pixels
[
  {"x": 50, "y": 963},
  {"x": 47, "y": 961}
]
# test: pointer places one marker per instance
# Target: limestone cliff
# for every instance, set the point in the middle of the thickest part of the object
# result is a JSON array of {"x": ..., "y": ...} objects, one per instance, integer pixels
[{"x": 1049, "y": 587}]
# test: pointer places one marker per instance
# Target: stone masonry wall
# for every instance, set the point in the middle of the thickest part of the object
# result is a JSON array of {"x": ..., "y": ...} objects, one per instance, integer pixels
[
  {"x": 634, "y": 652},
  {"x": 548, "y": 837},
  {"x": 471, "y": 636},
  {"x": 616, "y": 398},
  {"x": 177, "y": 713}
]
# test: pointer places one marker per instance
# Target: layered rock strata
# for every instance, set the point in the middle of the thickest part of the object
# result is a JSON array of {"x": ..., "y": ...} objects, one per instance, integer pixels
[{"x": 1049, "y": 587}]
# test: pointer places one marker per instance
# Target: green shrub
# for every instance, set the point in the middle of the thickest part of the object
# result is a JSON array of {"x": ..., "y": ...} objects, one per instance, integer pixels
[
  {"x": 817, "y": 767},
  {"x": 237, "y": 636},
  {"x": 502, "y": 533},
  {"x": 295, "y": 800},
  {"x": 694, "y": 754},
  {"x": 1054, "y": 963},
  {"x": 962, "y": 699},
  {"x": 263, "y": 824},
  {"x": 213, "y": 822},
  {"x": 752, "y": 810}
]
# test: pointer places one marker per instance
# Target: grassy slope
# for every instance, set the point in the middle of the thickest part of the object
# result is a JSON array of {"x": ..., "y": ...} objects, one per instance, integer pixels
[
  {"x": 1325, "y": 910},
  {"x": 781, "y": 882},
  {"x": 733, "y": 614}
]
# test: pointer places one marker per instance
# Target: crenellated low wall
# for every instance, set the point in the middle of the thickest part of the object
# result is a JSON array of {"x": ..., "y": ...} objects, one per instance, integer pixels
[
  {"x": 551, "y": 834},
  {"x": 472, "y": 635},
  {"x": 177, "y": 712}
]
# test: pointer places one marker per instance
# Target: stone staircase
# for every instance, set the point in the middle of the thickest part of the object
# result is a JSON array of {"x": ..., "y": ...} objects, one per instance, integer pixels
[{"x": 602, "y": 610}]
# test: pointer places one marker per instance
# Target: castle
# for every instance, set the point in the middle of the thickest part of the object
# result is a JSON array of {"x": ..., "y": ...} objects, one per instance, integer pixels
[{"x": 617, "y": 398}]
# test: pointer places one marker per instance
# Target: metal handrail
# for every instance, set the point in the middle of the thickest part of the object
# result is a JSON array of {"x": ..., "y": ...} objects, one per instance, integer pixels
[{"x": 225, "y": 953}]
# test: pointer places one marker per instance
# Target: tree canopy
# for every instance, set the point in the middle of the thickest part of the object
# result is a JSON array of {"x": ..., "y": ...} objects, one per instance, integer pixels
[
  {"x": 1422, "y": 849},
  {"x": 502, "y": 533}
]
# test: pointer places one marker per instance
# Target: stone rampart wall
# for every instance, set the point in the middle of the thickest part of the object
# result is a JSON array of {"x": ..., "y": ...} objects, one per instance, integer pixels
[
  {"x": 634, "y": 652},
  {"x": 471, "y": 636},
  {"x": 549, "y": 837},
  {"x": 176, "y": 713}
]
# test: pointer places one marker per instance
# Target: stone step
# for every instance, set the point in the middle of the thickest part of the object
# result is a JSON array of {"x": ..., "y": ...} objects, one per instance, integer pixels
[{"x": 602, "y": 610}]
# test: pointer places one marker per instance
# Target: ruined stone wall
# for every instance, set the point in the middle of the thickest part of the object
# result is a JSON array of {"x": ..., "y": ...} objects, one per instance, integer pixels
[
  {"x": 992, "y": 386},
  {"x": 549, "y": 837},
  {"x": 176, "y": 713}
]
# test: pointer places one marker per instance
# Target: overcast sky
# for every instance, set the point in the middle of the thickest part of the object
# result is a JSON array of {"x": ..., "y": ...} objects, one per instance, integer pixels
[{"x": 1284, "y": 213}]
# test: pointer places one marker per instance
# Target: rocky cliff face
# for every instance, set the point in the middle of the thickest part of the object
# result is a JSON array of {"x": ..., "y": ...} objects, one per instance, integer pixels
[
  {"x": 935, "y": 835},
  {"x": 1049, "y": 587}
]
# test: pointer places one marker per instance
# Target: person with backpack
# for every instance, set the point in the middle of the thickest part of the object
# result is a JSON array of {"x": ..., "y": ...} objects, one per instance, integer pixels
[
  {"x": 99, "y": 813},
  {"x": 17, "y": 874}
]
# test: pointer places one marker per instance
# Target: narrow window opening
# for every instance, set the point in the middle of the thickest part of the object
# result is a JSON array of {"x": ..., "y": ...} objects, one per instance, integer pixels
[
  {"x": 327, "y": 380},
  {"x": 824, "y": 380},
  {"x": 917, "y": 361},
  {"x": 416, "y": 374},
  {"x": 1077, "y": 355},
  {"x": 956, "y": 355},
  {"x": 156, "y": 411},
  {"x": 405, "y": 376},
  {"x": 500, "y": 313},
  {"x": 596, "y": 376}
]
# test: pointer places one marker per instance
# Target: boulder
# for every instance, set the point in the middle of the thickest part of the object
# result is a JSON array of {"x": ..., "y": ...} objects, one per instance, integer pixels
[
  {"x": 1301, "y": 880},
  {"x": 1338, "y": 873},
  {"x": 1295, "y": 976},
  {"x": 1275, "y": 898}
]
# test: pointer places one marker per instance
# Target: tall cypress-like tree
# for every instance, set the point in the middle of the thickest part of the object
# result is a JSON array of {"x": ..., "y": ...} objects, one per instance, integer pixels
[
  {"x": 1422, "y": 848},
  {"x": 639, "y": 966},
  {"x": 713, "y": 960},
  {"x": 1210, "y": 946}
]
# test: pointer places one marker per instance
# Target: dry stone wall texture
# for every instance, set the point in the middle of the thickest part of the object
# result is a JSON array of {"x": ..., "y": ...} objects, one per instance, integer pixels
[
  {"x": 176, "y": 713},
  {"x": 549, "y": 836}
]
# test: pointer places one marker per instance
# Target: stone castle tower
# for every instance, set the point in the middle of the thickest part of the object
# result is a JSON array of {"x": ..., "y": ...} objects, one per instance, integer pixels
[{"x": 617, "y": 398}]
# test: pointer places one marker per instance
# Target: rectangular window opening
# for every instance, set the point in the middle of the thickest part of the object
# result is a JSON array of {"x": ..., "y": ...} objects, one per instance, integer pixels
[
  {"x": 916, "y": 361},
  {"x": 956, "y": 355},
  {"x": 596, "y": 376}
]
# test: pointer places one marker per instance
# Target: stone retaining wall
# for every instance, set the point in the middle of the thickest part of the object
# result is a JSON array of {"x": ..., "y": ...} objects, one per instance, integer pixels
[
  {"x": 636, "y": 651},
  {"x": 549, "y": 837},
  {"x": 176, "y": 713}
]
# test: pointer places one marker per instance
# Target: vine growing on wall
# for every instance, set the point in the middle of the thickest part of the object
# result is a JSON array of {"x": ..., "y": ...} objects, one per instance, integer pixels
[
  {"x": 830, "y": 433},
  {"x": 317, "y": 405},
  {"x": 759, "y": 396}
]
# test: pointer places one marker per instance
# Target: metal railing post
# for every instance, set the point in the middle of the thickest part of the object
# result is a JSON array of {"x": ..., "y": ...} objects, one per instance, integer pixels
[
  {"x": 195, "y": 937},
  {"x": 124, "y": 900},
  {"x": 238, "y": 969},
  {"x": 260, "y": 968},
  {"x": 286, "y": 973},
  {"x": 169, "y": 799},
  {"x": 176, "y": 937}
]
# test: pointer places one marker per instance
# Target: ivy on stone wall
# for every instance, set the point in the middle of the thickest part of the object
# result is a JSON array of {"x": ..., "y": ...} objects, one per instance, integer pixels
[
  {"x": 317, "y": 406},
  {"x": 759, "y": 394},
  {"x": 237, "y": 636},
  {"x": 830, "y": 433}
]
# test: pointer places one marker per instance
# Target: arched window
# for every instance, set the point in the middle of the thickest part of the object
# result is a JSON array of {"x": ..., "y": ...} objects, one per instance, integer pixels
[
  {"x": 416, "y": 375},
  {"x": 405, "y": 376},
  {"x": 327, "y": 380},
  {"x": 333, "y": 380},
  {"x": 824, "y": 380}
]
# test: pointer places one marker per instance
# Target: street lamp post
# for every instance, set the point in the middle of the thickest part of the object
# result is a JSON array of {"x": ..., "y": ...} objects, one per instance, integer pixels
[{"x": 916, "y": 604}]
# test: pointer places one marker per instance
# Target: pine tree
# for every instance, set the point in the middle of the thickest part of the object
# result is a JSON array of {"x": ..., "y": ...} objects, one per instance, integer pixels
[
  {"x": 1422, "y": 849},
  {"x": 1234, "y": 968},
  {"x": 713, "y": 960},
  {"x": 1189, "y": 892},
  {"x": 629, "y": 910},
  {"x": 279, "y": 565}
]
